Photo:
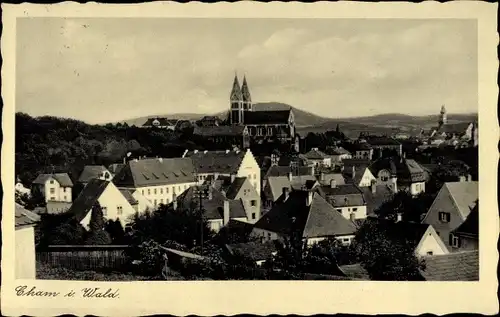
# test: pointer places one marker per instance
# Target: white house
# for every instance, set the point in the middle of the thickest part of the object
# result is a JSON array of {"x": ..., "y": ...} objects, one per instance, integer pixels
[
  {"x": 348, "y": 200},
  {"x": 54, "y": 187},
  {"x": 114, "y": 204},
  {"x": 157, "y": 179},
  {"x": 25, "y": 255},
  {"x": 360, "y": 176},
  {"x": 318, "y": 158},
  {"x": 211, "y": 164},
  {"x": 140, "y": 203}
]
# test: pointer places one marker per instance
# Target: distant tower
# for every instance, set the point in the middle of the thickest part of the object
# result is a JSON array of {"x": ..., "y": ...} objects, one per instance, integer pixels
[
  {"x": 247, "y": 98},
  {"x": 442, "y": 116},
  {"x": 236, "y": 99}
]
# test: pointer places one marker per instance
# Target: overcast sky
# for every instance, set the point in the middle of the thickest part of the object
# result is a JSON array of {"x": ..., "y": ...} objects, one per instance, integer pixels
[{"x": 101, "y": 70}]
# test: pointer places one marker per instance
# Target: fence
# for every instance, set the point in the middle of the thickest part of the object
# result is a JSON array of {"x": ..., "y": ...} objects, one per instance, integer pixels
[{"x": 84, "y": 257}]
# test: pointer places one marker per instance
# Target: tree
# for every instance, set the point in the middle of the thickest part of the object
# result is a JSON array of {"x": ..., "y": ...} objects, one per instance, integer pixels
[
  {"x": 97, "y": 233},
  {"x": 411, "y": 208},
  {"x": 384, "y": 257},
  {"x": 116, "y": 232}
]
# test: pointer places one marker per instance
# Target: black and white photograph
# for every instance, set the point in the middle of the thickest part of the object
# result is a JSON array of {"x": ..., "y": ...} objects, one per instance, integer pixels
[{"x": 177, "y": 149}]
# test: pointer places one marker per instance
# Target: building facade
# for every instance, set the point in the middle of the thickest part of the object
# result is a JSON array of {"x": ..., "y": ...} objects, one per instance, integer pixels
[{"x": 54, "y": 187}]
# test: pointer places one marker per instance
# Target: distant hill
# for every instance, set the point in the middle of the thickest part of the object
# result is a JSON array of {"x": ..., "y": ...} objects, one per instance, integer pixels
[{"x": 308, "y": 122}]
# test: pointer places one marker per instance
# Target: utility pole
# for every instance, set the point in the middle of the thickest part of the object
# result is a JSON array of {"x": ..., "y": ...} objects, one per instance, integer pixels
[{"x": 199, "y": 193}]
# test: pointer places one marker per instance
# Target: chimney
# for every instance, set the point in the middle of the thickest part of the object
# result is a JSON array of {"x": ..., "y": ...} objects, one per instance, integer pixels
[
  {"x": 286, "y": 193},
  {"x": 322, "y": 177},
  {"x": 353, "y": 171},
  {"x": 462, "y": 178},
  {"x": 310, "y": 196},
  {"x": 233, "y": 177},
  {"x": 290, "y": 176},
  {"x": 469, "y": 178},
  {"x": 333, "y": 183},
  {"x": 226, "y": 212},
  {"x": 160, "y": 159}
]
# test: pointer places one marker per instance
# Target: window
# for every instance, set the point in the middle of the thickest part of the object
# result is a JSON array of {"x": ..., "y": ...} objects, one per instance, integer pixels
[
  {"x": 430, "y": 253},
  {"x": 149, "y": 191},
  {"x": 161, "y": 191},
  {"x": 253, "y": 215},
  {"x": 254, "y": 176},
  {"x": 65, "y": 197},
  {"x": 253, "y": 203},
  {"x": 119, "y": 210},
  {"x": 154, "y": 191},
  {"x": 104, "y": 211},
  {"x": 156, "y": 202},
  {"x": 454, "y": 241},
  {"x": 444, "y": 216},
  {"x": 339, "y": 210},
  {"x": 52, "y": 181},
  {"x": 384, "y": 178},
  {"x": 143, "y": 192},
  {"x": 166, "y": 190},
  {"x": 161, "y": 201},
  {"x": 179, "y": 188},
  {"x": 52, "y": 198},
  {"x": 355, "y": 209},
  {"x": 52, "y": 190}
]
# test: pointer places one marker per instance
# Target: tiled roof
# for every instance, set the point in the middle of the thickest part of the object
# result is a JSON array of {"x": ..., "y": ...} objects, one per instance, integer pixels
[
  {"x": 235, "y": 187},
  {"x": 470, "y": 226},
  {"x": 464, "y": 194},
  {"x": 358, "y": 174},
  {"x": 315, "y": 154},
  {"x": 329, "y": 177},
  {"x": 362, "y": 146},
  {"x": 276, "y": 184},
  {"x": 319, "y": 219},
  {"x": 454, "y": 128},
  {"x": 404, "y": 169},
  {"x": 267, "y": 117},
  {"x": 255, "y": 251},
  {"x": 88, "y": 198},
  {"x": 245, "y": 92},
  {"x": 127, "y": 193},
  {"x": 343, "y": 195},
  {"x": 62, "y": 178},
  {"x": 24, "y": 218},
  {"x": 214, "y": 207},
  {"x": 153, "y": 172},
  {"x": 90, "y": 172},
  {"x": 236, "y": 91},
  {"x": 382, "y": 194},
  {"x": 226, "y": 162},
  {"x": 355, "y": 271},
  {"x": 285, "y": 170},
  {"x": 336, "y": 151},
  {"x": 456, "y": 266},
  {"x": 223, "y": 130}
]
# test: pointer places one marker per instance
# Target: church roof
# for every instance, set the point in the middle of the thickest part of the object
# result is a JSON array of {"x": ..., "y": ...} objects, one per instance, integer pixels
[
  {"x": 236, "y": 91},
  {"x": 245, "y": 92},
  {"x": 267, "y": 117}
]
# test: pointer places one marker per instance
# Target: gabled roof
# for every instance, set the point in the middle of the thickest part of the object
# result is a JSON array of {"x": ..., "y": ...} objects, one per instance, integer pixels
[
  {"x": 154, "y": 172},
  {"x": 235, "y": 187},
  {"x": 276, "y": 184},
  {"x": 404, "y": 169},
  {"x": 267, "y": 117},
  {"x": 222, "y": 130},
  {"x": 470, "y": 227},
  {"x": 343, "y": 195},
  {"x": 24, "y": 217},
  {"x": 214, "y": 207},
  {"x": 315, "y": 154},
  {"x": 319, "y": 219},
  {"x": 455, "y": 266},
  {"x": 454, "y": 128},
  {"x": 464, "y": 195},
  {"x": 127, "y": 193},
  {"x": 329, "y": 177},
  {"x": 225, "y": 162},
  {"x": 236, "y": 91},
  {"x": 245, "y": 92},
  {"x": 90, "y": 172},
  {"x": 62, "y": 178},
  {"x": 88, "y": 198},
  {"x": 358, "y": 174},
  {"x": 362, "y": 146},
  {"x": 276, "y": 170},
  {"x": 336, "y": 151}
]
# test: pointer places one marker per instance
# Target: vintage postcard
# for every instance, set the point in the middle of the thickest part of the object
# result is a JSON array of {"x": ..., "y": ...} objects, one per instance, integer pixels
[{"x": 259, "y": 158}]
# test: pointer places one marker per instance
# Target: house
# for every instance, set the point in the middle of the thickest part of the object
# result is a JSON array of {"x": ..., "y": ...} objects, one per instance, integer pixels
[
  {"x": 358, "y": 174},
  {"x": 225, "y": 135},
  {"x": 318, "y": 158},
  {"x": 138, "y": 201},
  {"x": 327, "y": 178},
  {"x": 400, "y": 173},
  {"x": 451, "y": 207},
  {"x": 279, "y": 170},
  {"x": 113, "y": 203},
  {"x": 54, "y": 187},
  {"x": 157, "y": 179},
  {"x": 94, "y": 171},
  {"x": 382, "y": 145},
  {"x": 209, "y": 121},
  {"x": 275, "y": 186},
  {"x": 25, "y": 222},
  {"x": 456, "y": 266},
  {"x": 466, "y": 236},
  {"x": 347, "y": 200},
  {"x": 375, "y": 196},
  {"x": 181, "y": 125},
  {"x": 161, "y": 123},
  {"x": 338, "y": 154},
  {"x": 304, "y": 215},
  {"x": 263, "y": 125},
  {"x": 211, "y": 164},
  {"x": 20, "y": 189},
  {"x": 254, "y": 251},
  {"x": 242, "y": 189},
  {"x": 218, "y": 210},
  {"x": 362, "y": 150}
]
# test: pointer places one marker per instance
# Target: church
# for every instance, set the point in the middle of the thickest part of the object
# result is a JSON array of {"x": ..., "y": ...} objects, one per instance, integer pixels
[{"x": 262, "y": 125}]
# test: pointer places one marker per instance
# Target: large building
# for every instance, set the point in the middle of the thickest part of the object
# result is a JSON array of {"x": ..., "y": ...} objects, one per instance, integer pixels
[{"x": 263, "y": 125}]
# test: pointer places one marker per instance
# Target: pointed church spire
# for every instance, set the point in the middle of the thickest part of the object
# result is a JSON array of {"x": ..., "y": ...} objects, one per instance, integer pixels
[
  {"x": 443, "y": 109},
  {"x": 245, "y": 92},
  {"x": 236, "y": 91}
]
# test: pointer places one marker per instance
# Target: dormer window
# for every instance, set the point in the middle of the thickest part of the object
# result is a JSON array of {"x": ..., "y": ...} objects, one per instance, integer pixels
[
  {"x": 156, "y": 122},
  {"x": 444, "y": 216}
]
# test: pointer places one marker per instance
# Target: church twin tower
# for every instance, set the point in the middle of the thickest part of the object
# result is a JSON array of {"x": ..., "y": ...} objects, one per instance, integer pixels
[{"x": 241, "y": 102}]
